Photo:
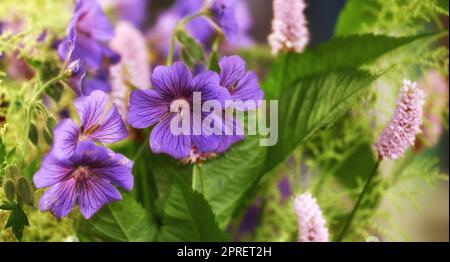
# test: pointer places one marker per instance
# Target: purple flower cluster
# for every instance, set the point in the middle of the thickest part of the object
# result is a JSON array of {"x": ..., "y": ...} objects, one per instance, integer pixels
[
  {"x": 88, "y": 36},
  {"x": 175, "y": 86},
  {"x": 78, "y": 169}
]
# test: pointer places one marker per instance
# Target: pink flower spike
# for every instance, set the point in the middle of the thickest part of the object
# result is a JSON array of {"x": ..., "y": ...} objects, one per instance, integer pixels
[
  {"x": 400, "y": 134},
  {"x": 289, "y": 31},
  {"x": 311, "y": 223},
  {"x": 133, "y": 69},
  {"x": 131, "y": 45}
]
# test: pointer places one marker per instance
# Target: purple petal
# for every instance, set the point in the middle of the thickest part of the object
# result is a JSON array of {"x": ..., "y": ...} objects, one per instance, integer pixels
[
  {"x": 208, "y": 84},
  {"x": 111, "y": 129},
  {"x": 60, "y": 198},
  {"x": 93, "y": 193},
  {"x": 245, "y": 23},
  {"x": 172, "y": 81},
  {"x": 89, "y": 50},
  {"x": 65, "y": 138},
  {"x": 115, "y": 168},
  {"x": 134, "y": 11},
  {"x": 203, "y": 142},
  {"x": 92, "y": 20},
  {"x": 248, "y": 89},
  {"x": 224, "y": 14},
  {"x": 225, "y": 141},
  {"x": 77, "y": 76},
  {"x": 92, "y": 52},
  {"x": 146, "y": 108},
  {"x": 201, "y": 30},
  {"x": 91, "y": 108},
  {"x": 52, "y": 171},
  {"x": 90, "y": 85},
  {"x": 163, "y": 141},
  {"x": 232, "y": 70},
  {"x": 104, "y": 163},
  {"x": 64, "y": 47}
]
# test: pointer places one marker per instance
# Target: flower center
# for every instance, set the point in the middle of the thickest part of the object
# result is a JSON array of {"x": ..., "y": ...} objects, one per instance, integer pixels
[
  {"x": 82, "y": 137},
  {"x": 180, "y": 106},
  {"x": 81, "y": 173}
]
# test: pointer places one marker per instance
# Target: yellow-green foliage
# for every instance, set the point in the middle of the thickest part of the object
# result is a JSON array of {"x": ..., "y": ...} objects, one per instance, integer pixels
[
  {"x": 29, "y": 19},
  {"x": 43, "y": 226}
]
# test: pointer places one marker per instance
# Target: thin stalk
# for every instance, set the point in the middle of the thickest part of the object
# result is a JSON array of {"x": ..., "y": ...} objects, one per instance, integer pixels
[
  {"x": 214, "y": 25},
  {"x": 180, "y": 25},
  {"x": 141, "y": 148},
  {"x": 171, "y": 50},
  {"x": 45, "y": 86},
  {"x": 358, "y": 202}
]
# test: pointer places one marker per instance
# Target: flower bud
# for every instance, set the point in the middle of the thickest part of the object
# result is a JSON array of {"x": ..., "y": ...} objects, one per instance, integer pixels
[
  {"x": 24, "y": 191},
  {"x": 9, "y": 189}
]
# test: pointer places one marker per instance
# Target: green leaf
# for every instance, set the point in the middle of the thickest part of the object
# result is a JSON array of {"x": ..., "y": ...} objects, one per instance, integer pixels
[
  {"x": 309, "y": 105},
  {"x": 313, "y": 103},
  {"x": 355, "y": 16},
  {"x": 48, "y": 137},
  {"x": 443, "y": 4},
  {"x": 356, "y": 167},
  {"x": 226, "y": 180},
  {"x": 17, "y": 220},
  {"x": 124, "y": 221},
  {"x": 188, "y": 217},
  {"x": 9, "y": 189},
  {"x": 33, "y": 134},
  {"x": 6, "y": 205},
  {"x": 213, "y": 62},
  {"x": 10, "y": 154},
  {"x": 55, "y": 91},
  {"x": 2, "y": 151},
  {"x": 340, "y": 52},
  {"x": 191, "y": 51},
  {"x": 153, "y": 175},
  {"x": 51, "y": 123},
  {"x": 24, "y": 191},
  {"x": 367, "y": 16}
]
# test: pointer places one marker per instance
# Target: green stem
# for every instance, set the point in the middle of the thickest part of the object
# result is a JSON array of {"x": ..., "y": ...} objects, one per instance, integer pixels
[
  {"x": 318, "y": 186},
  {"x": 141, "y": 148},
  {"x": 45, "y": 86},
  {"x": 171, "y": 50},
  {"x": 358, "y": 202},
  {"x": 215, "y": 48},
  {"x": 214, "y": 25},
  {"x": 179, "y": 26}
]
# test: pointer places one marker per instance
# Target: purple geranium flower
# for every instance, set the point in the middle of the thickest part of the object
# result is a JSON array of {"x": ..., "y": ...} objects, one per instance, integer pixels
[
  {"x": 199, "y": 28},
  {"x": 88, "y": 35},
  {"x": 85, "y": 177},
  {"x": 175, "y": 85},
  {"x": 243, "y": 87},
  {"x": 133, "y": 11},
  {"x": 224, "y": 14},
  {"x": 97, "y": 81},
  {"x": 77, "y": 74},
  {"x": 97, "y": 125}
]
